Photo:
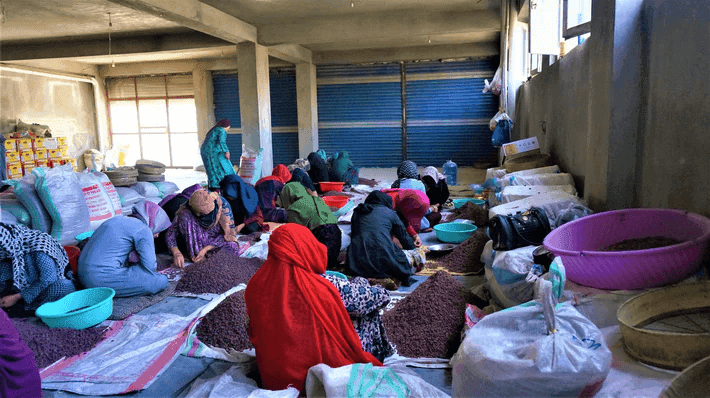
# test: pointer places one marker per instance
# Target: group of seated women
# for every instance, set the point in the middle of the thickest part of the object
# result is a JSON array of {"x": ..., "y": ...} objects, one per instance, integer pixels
[{"x": 341, "y": 323}]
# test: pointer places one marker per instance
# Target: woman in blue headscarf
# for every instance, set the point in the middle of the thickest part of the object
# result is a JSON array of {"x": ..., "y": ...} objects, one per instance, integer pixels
[
  {"x": 215, "y": 154},
  {"x": 121, "y": 253}
]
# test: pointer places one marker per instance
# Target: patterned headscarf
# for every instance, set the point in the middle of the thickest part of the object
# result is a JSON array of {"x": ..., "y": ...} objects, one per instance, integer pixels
[
  {"x": 152, "y": 215},
  {"x": 18, "y": 240},
  {"x": 204, "y": 203},
  {"x": 406, "y": 169}
]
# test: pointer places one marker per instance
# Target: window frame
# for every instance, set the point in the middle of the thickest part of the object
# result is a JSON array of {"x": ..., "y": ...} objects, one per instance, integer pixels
[
  {"x": 136, "y": 99},
  {"x": 573, "y": 31}
]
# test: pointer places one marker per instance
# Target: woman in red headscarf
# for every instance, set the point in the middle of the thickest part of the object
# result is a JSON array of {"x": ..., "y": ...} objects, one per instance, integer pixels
[
  {"x": 297, "y": 318},
  {"x": 215, "y": 154},
  {"x": 411, "y": 206},
  {"x": 268, "y": 189}
]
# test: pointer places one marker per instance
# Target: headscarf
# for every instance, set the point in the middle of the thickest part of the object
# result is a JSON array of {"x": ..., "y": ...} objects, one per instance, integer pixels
[
  {"x": 300, "y": 175},
  {"x": 305, "y": 209},
  {"x": 208, "y": 208},
  {"x": 411, "y": 204},
  {"x": 374, "y": 198},
  {"x": 296, "y": 317},
  {"x": 18, "y": 240},
  {"x": 406, "y": 169},
  {"x": 241, "y": 196},
  {"x": 152, "y": 215},
  {"x": 223, "y": 123},
  {"x": 279, "y": 173},
  {"x": 319, "y": 170},
  {"x": 432, "y": 172}
]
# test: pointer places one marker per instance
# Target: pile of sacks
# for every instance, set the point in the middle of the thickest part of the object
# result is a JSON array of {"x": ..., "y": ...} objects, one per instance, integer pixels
[{"x": 64, "y": 203}]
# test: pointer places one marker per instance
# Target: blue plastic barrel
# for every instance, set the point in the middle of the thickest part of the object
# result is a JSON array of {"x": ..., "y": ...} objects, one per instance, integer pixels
[{"x": 450, "y": 172}]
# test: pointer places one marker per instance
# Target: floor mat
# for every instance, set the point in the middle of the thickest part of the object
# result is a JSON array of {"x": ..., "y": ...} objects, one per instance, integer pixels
[{"x": 127, "y": 306}]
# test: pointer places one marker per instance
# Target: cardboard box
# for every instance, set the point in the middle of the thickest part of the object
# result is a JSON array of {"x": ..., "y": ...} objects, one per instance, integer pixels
[
  {"x": 24, "y": 144},
  {"x": 41, "y": 154},
  {"x": 43, "y": 163},
  {"x": 64, "y": 150},
  {"x": 56, "y": 162},
  {"x": 520, "y": 148},
  {"x": 62, "y": 141},
  {"x": 55, "y": 154},
  {"x": 11, "y": 145},
  {"x": 27, "y": 156},
  {"x": 28, "y": 168},
  {"x": 14, "y": 170},
  {"x": 37, "y": 143},
  {"x": 51, "y": 143},
  {"x": 12, "y": 157}
]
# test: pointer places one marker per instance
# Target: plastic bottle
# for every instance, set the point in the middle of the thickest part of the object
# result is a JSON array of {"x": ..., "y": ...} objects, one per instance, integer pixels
[{"x": 450, "y": 172}]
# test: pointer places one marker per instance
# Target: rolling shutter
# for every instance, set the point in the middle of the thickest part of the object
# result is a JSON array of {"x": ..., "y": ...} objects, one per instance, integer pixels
[
  {"x": 284, "y": 115},
  {"x": 447, "y": 114},
  {"x": 360, "y": 111}
]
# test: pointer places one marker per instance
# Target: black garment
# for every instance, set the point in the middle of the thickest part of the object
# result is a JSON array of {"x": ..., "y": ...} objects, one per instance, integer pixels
[
  {"x": 318, "y": 171},
  {"x": 331, "y": 236},
  {"x": 438, "y": 192},
  {"x": 300, "y": 175},
  {"x": 171, "y": 207},
  {"x": 371, "y": 253}
]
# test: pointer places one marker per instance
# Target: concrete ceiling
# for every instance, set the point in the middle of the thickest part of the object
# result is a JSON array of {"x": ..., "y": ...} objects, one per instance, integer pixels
[{"x": 193, "y": 29}]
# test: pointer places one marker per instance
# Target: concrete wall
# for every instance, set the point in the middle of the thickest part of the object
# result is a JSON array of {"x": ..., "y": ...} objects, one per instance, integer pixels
[
  {"x": 66, "y": 106},
  {"x": 676, "y": 147},
  {"x": 555, "y": 107}
]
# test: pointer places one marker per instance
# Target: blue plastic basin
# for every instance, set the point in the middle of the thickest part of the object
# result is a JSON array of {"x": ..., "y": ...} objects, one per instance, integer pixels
[
  {"x": 454, "y": 232},
  {"x": 78, "y": 310}
]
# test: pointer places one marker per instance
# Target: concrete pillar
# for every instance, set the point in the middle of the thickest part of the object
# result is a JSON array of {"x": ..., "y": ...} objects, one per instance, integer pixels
[
  {"x": 307, "y": 98},
  {"x": 102, "y": 122},
  {"x": 204, "y": 100},
  {"x": 255, "y": 100}
]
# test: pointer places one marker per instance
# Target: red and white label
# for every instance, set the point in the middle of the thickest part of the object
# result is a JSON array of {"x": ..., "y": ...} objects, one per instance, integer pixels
[
  {"x": 113, "y": 195},
  {"x": 98, "y": 207}
]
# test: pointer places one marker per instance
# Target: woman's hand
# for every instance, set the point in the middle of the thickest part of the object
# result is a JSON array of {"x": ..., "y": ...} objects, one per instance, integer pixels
[
  {"x": 178, "y": 260},
  {"x": 240, "y": 227},
  {"x": 9, "y": 301},
  {"x": 417, "y": 241},
  {"x": 226, "y": 154},
  {"x": 201, "y": 255}
]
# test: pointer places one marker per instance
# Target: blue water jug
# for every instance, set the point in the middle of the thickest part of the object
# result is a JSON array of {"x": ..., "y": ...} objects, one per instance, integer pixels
[{"x": 450, "y": 172}]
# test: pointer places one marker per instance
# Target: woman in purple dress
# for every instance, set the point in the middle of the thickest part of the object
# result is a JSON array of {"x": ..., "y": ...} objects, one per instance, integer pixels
[
  {"x": 206, "y": 223},
  {"x": 19, "y": 376}
]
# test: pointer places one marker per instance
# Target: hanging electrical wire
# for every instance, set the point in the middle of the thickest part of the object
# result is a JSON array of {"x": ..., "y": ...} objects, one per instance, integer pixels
[{"x": 110, "y": 26}]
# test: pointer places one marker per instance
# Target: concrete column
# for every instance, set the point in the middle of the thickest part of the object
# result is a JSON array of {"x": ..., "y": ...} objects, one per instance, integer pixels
[
  {"x": 255, "y": 100},
  {"x": 307, "y": 98},
  {"x": 204, "y": 100},
  {"x": 102, "y": 122}
]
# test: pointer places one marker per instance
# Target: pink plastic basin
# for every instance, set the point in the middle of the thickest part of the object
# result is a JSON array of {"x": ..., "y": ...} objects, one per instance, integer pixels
[{"x": 578, "y": 243}]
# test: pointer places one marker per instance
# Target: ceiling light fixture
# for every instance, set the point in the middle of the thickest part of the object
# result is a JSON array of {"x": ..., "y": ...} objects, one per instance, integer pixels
[
  {"x": 429, "y": 39},
  {"x": 110, "y": 25},
  {"x": 352, "y": 4}
]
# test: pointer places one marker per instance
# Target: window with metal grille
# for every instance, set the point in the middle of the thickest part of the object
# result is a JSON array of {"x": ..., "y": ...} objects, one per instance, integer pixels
[{"x": 155, "y": 117}]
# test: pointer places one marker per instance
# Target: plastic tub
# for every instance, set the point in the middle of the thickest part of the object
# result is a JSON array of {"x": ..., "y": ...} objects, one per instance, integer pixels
[
  {"x": 336, "y": 201},
  {"x": 331, "y": 186},
  {"x": 578, "y": 243},
  {"x": 454, "y": 232},
  {"x": 73, "y": 254},
  {"x": 459, "y": 203},
  {"x": 336, "y": 273},
  {"x": 79, "y": 310}
]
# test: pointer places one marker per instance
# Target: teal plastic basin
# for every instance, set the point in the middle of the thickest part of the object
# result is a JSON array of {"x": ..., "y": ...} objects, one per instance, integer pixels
[
  {"x": 336, "y": 273},
  {"x": 458, "y": 203},
  {"x": 78, "y": 310},
  {"x": 454, "y": 232}
]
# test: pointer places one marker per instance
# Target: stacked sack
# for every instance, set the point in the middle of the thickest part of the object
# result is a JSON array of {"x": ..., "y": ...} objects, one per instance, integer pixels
[
  {"x": 123, "y": 176},
  {"x": 150, "y": 171}
]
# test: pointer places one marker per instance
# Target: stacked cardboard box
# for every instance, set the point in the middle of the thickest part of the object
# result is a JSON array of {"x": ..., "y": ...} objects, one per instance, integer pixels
[{"x": 22, "y": 155}]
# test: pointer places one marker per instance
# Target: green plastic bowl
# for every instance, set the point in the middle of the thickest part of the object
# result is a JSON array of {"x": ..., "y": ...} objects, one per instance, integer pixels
[
  {"x": 78, "y": 310},
  {"x": 459, "y": 203},
  {"x": 454, "y": 232}
]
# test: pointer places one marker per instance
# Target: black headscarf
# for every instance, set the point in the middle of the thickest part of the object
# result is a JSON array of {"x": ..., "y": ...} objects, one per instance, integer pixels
[
  {"x": 375, "y": 198},
  {"x": 318, "y": 171}
]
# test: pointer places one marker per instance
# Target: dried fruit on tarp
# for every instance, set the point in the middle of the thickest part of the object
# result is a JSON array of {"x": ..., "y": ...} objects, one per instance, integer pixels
[
  {"x": 387, "y": 283},
  {"x": 251, "y": 238},
  {"x": 651, "y": 242},
  {"x": 470, "y": 211},
  {"x": 52, "y": 344},
  {"x": 226, "y": 326},
  {"x": 367, "y": 181},
  {"x": 217, "y": 274},
  {"x": 428, "y": 322},
  {"x": 466, "y": 257}
]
